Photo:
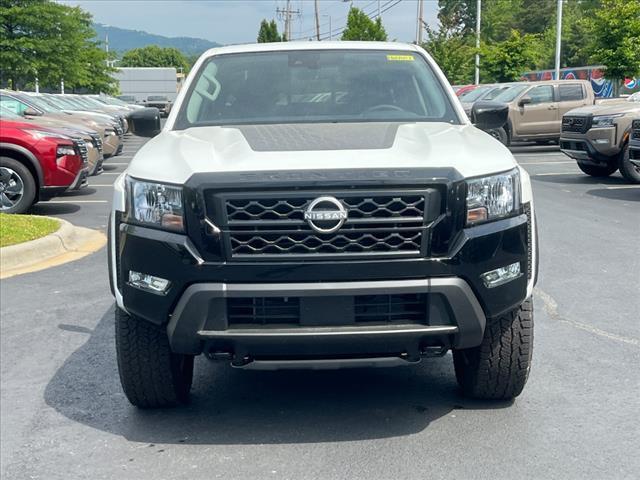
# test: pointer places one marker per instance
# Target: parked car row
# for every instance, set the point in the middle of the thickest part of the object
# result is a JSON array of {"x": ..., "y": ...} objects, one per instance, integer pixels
[
  {"x": 52, "y": 143},
  {"x": 161, "y": 102},
  {"x": 594, "y": 132}
]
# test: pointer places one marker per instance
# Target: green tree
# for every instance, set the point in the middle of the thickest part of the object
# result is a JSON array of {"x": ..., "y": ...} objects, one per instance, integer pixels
[
  {"x": 269, "y": 32},
  {"x": 453, "y": 52},
  {"x": 615, "y": 38},
  {"x": 155, "y": 56},
  {"x": 457, "y": 16},
  {"x": 53, "y": 42},
  {"x": 506, "y": 61},
  {"x": 361, "y": 27}
]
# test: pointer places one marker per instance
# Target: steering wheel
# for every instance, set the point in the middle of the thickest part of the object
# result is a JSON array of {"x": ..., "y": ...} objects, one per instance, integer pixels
[{"x": 384, "y": 106}]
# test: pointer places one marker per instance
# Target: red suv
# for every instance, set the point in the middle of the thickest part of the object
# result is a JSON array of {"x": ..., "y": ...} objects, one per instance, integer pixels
[{"x": 37, "y": 163}]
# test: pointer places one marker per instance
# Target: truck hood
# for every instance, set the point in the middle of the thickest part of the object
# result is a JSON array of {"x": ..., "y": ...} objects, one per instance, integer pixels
[
  {"x": 173, "y": 156},
  {"x": 607, "y": 109}
]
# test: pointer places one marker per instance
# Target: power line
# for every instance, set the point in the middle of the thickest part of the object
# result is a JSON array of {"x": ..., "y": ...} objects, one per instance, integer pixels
[
  {"x": 304, "y": 34},
  {"x": 387, "y": 6},
  {"x": 374, "y": 13}
]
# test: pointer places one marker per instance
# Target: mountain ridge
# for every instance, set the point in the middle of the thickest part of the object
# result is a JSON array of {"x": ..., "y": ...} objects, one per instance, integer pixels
[{"x": 122, "y": 39}]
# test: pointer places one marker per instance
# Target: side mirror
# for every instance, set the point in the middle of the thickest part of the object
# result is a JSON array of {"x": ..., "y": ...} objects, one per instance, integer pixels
[
  {"x": 30, "y": 112},
  {"x": 145, "y": 122},
  {"x": 487, "y": 115},
  {"x": 526, "y": 100}
]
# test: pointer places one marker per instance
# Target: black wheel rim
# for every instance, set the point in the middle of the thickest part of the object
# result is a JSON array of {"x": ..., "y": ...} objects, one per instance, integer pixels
[{"x": 11, "y": 188}]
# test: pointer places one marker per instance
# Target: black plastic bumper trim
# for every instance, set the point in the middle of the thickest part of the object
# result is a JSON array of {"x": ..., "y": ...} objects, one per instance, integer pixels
[{"x": 199, "y": 302}]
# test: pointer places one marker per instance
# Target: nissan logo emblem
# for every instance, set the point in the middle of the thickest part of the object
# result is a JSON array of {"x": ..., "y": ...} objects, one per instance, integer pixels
[{"x": 325, "y": 214}]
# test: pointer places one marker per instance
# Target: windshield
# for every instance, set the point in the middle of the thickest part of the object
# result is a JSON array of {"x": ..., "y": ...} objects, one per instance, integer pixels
[
  {"x": 60, "y": 102},
  {"x": 475, "y": 94},
  {"x": 315, "y": 86},
  {"x": 510, "y": 93},
  {"x": 111, "y": 101},
  {"x": 9, "y": 114},
  {"x": 40, "y": 104},
  {"x": 492, "y": 94}
]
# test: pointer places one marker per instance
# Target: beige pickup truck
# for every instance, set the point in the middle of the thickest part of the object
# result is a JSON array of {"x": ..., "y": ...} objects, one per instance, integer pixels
[
  {"x": 598, "y": 136},
  {"x": 536, "y": 109}
]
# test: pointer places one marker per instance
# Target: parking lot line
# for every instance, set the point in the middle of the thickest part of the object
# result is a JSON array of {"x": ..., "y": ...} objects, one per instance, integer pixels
[
  {"x": 101, "y": 184},
  {"x": 544, "y": 163},
  {"x": 622, "y": 187},
  {"x": 111, "y": 173},
  {"x": 548, "y": 174},
  {"x": 76, "y": 201},
  {"x": 115, "y": 163}
]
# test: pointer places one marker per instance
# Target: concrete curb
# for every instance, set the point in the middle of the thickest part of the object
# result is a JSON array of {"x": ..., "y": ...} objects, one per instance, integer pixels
[{"x": 66, "y": 244}]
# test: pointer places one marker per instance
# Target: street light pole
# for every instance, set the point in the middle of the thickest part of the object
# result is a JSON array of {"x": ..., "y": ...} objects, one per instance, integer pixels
[
  {"x": 558, "y": 38},
  {"x": 479, "y": 8},
  {"x": 317, "y": 21},
  {"x": 419, "y": 23}
]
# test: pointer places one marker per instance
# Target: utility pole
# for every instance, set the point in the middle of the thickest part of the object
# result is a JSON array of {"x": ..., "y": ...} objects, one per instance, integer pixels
[
  {"x": 479, "y": 8},
  {"x": 317, "y": 22},
  {"x": 286, "y": 15},
  {"x": 558, "y": 38},
  {"x": 378, "y": 8},
  {"x": 419, "y": 22}
]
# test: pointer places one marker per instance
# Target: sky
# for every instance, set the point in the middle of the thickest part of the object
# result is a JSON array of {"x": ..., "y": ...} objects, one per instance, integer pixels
[{"x": 237, "y": 21}]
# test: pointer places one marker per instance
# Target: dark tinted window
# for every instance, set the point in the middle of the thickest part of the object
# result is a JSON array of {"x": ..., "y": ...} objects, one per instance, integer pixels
[
  {"x": 541, "y": 94},
  {"x": 572, "y": 91},
  {"x": 315, "y": 86}
]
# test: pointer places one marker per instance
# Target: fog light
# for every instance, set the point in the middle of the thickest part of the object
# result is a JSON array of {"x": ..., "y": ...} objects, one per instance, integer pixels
[
  {"x": 149, "y": 283},
  {"x": 602, "y": 141},
  {"x": 500, "y": 276}
]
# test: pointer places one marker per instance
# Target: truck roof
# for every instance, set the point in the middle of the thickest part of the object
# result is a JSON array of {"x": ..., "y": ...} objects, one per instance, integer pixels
[{"x": 306, "y": 45}]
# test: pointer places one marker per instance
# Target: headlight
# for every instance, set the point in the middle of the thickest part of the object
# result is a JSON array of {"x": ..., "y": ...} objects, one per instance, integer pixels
[
  {"x": 64, "y": 150},
  {"x": 40, "y": 134},
  {"x": 156, "y": 204},
  {"x": 494, "y": 197},
  {"x": 601, "y": 121}
]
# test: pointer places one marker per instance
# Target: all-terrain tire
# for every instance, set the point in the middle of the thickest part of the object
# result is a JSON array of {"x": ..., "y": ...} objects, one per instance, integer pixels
[
  {"x": 152, "y": 376},
  {"x": 597, "y": 170},
  {"x": 500, "y": 134},
  {"x": 498, "y": 369},
  {"x": 12, "y": 168},
  {"x": 628, "y": 170}
]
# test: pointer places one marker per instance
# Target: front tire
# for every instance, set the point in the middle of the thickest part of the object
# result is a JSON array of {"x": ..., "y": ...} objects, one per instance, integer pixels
[
  {"x": 628, "y": 170},
  {"x": 598, "y": 170},
  {"x": 17, "y": 186},
  {"x": 500, "y": 134},
  {"x": 499, "y": 367},
  {"x": 152, "y": 376}
]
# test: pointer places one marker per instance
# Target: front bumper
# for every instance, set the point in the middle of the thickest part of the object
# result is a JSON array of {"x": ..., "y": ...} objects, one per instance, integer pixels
[
  {"x": 81, "y": 181},
  {"x": 110, "y": 145},
  {"x": 195, "y": 306},
  {"x": 598, "y": 145}
]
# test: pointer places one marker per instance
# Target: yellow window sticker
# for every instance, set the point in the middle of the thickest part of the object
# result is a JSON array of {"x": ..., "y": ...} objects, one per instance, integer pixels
[{"x": 400, "y": 58}]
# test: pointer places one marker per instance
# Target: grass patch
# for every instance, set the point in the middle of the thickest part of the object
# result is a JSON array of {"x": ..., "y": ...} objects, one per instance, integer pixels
[{"x": 22, "y": 228}]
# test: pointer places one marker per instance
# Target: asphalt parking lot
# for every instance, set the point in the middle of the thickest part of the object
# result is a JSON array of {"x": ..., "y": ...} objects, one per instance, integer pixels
[{"x": 64, "y": 415}]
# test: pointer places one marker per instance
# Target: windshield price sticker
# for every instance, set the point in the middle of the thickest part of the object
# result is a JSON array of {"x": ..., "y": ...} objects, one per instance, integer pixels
[{"x": 400, "y": 58}]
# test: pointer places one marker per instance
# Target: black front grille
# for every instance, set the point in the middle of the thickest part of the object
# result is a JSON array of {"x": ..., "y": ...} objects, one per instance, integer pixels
[
  {"x": 384, "y": 309},
  {"x": 574, "y": 124},
  {"x": 82, "y": 150},
  {"x": 263, "y": 310},
  {"x": 635, "y": 130},
  {"x": 97, "y": 141},
  {"x": 377, "y": 223},
  {"x": 400, "y": 309}
]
